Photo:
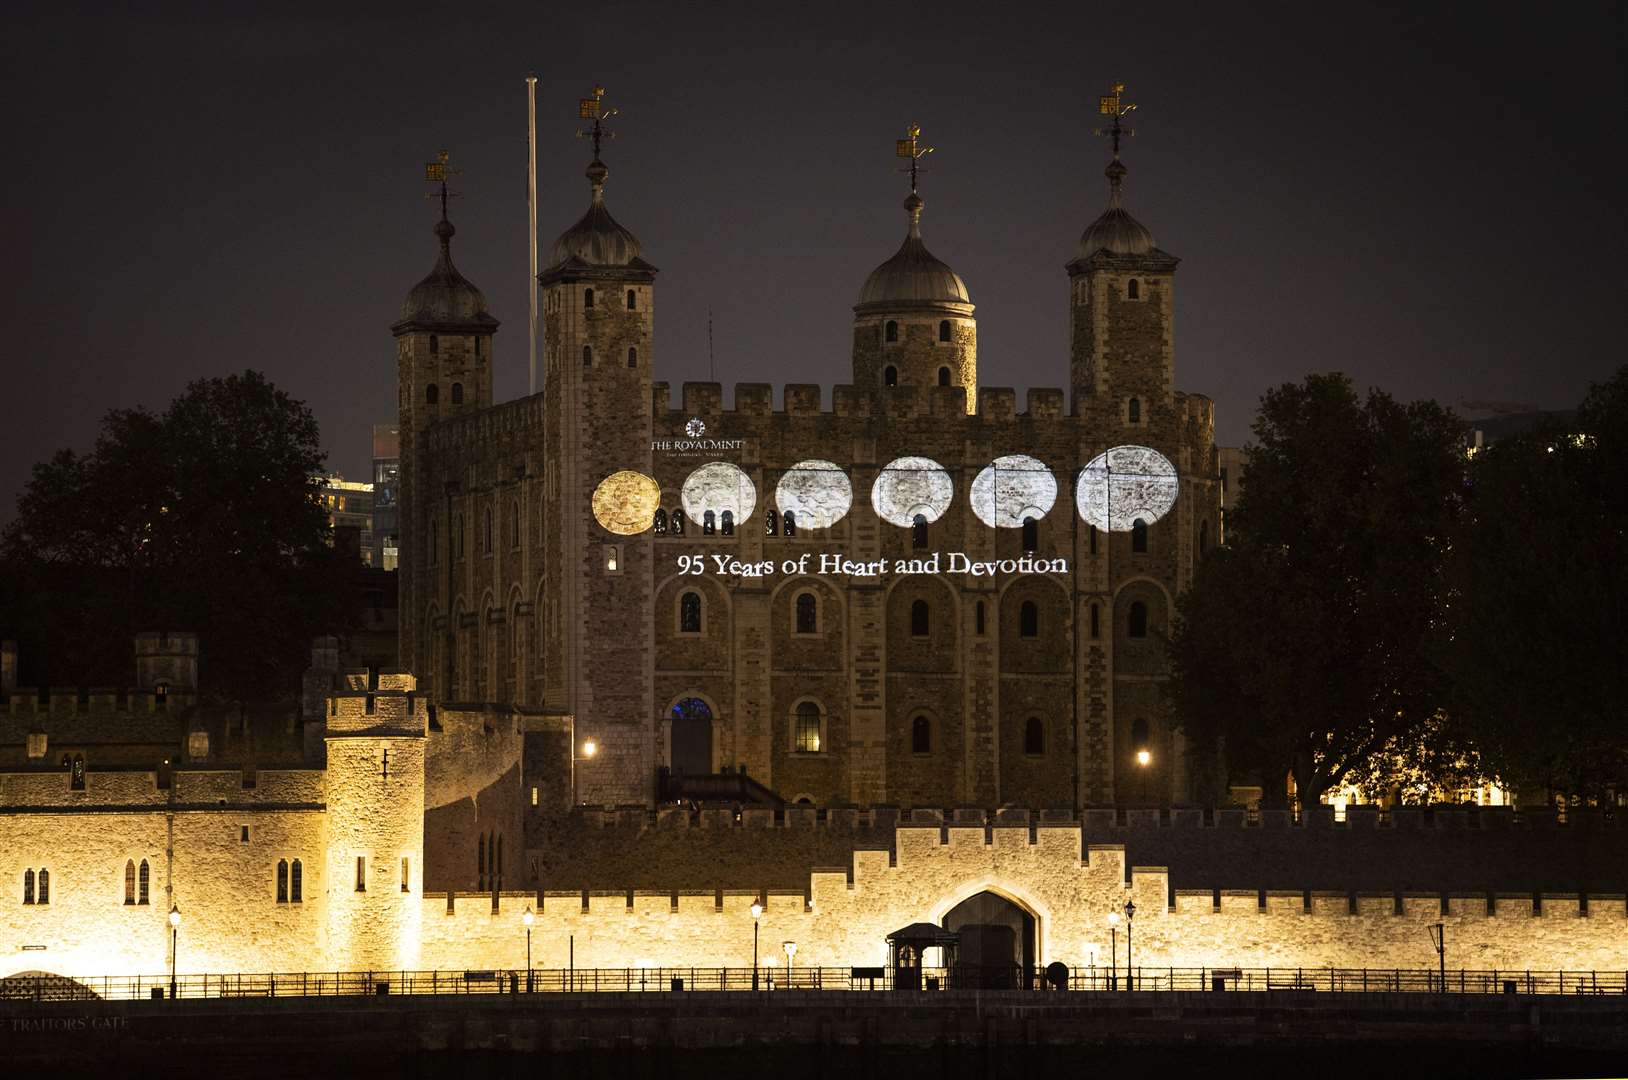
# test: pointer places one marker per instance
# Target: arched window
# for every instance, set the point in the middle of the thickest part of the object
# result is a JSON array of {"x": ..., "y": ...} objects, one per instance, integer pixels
[
  {"x": 943, "y": 376},
  {"x": 435, "y": 344},
  {"x": 1096, "y": 621},
  {"x": 1136, "y": 622},
  {"x": 920, "y": 619},
  {"x": 788, "y": 522},
  {"x": 1134, "y": 289},
  {"x": 678, "y": 523},
  {"x": 1139, "y": 734},
  {"x": 587, "y": 356},
  {"x": 632, "y": 300},
  {"x": 1034, "y": 736},
  {"x": 1029, "y": 619},
  {"x": 709, "y": 523},
  {"x": 1203, "y": 537},
  {"x": 806, "y": 729},
  {"x": 480, "y": 841},
  {"x": 1093, "y": 539},
  {"x": 143, "y": 878},
  {"x": 457, "y": 393},
  {"x": 978, "y": 618},
  {"x": 1133, "y": 411},
  {"x": 130, "y": 881},
  {"x": 296, "y": 884},
  {"x": 726, "y": 523},
  {"x": 661, "y": 522},
  {"x": 486, "y": 530},
  {"x": 891, "y": 331},
  {"x": 890, "y": 376},
  {"x": 587, "y": 298},
  {"x": 282, "y": 881},
  {"x": 432, "y": 394},
  {"x": 689, "y": 613},
  {"x": 28, "y": 886},
  {"x": 771, "y": 522},
  {"x": 918, "y": 531},
  {"x": 921, "y": 735},
  {"x": 808, "y": 614},
  {"x": 632, "y": 357},
  {"x": 944, "y": 330},
  {"x": 1139, "y": 536},
  {"x": 1031, "y": 534},
  {"x": 45, "y": 886}
]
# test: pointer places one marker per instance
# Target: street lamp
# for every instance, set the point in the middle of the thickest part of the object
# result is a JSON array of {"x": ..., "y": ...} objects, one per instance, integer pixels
[
  {"x": 528, "y": 918},
  {"x": 1130, "y": 972},
  {"x": 790, "y": 948},
  {"x": 757, "y": 913},
  {"x": 1144, "y": 759},
  {"x": 1438, "y": 938},
  {"x": 1113, "y": 950},
  {"x": 175, "y": 939}
]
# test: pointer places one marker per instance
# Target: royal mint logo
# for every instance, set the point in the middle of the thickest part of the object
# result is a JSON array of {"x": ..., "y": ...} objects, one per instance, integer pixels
[{"x": 695, "y": 428}]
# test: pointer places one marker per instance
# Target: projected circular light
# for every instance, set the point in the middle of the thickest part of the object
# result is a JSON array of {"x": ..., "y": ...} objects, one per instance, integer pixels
[
  {"x": 1125, "y": 484},
  {"x": 719, "y": 487},
  {"x": 1011, "y": 489},
  {"x": 817, "y": 493},
  {"x": 909, "y": 486},
  {"x": 625, "y": 502}
]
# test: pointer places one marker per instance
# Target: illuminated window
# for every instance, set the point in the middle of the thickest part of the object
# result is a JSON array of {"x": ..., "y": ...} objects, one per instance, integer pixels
[
  {"x": 587, "y": 356},
  {"x": 891, "y": 331},
  {"x": 435, "y": 344},
  {"x": 806, "y": 729},
  {"x": 1029, "y": 619},
  {"x": 1133, "y": 411},
  {"x": 788, "y": 523},
  {"x": 361, "y": 873},
  {"x": 678, "y": 523},
  {"x": 1031, "y": 534},
  {"x": 1096, "y": 621},
  {"x": 943, "y": 376},
  {"x": 920, "y": 619},
  {"x": 921, "y": 735},
  {"x": 282, "y": 881},
  {"x": 457, "y": 393},
  {"x": 689, "y": 613},
  {"x": 130, "y": 882},
  {"x": 632, "y": 300},
  {"x": 143, "y": 880},
  {"x": 771, "y": 522},
  {"x": 726, "y": 523},
  {"x": 1139, "y": 536},
  {"x": 613, "y": 559},
  {"x": 661, "y": 522},
  {"x": 1034, "y": 736},
  {"x": 944, "y": 330},
  {"x": 918, "y": 531},
  {"x": 1136, "y": 622},
  {"x": 709, "y": 523},
  {"x": 808, "y": 614},
  {"x": 890, "y": 376},
  {"x": 1134, "y": 289},
  {"x": 432, "y": 394},
  {"x": 978, "y": 619},
  {"x": 296, "y": 883},
  {"x": 632, "y": 357},
  {"x": 587, "y": 298},
  {"x": 534, "y": 795}
]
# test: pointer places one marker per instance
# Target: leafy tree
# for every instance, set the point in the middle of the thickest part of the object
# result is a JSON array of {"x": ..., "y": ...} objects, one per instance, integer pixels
[
  {"x": 1540, "y": 612},
  {"x": 1309, "y": 645},
  {"x": 203, "y": 518}
]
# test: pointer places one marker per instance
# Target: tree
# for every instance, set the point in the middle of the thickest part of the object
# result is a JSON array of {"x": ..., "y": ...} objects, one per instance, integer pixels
[
  {"x": 204, "y": 518},
  {"x": 1309, "y": 646},
  {"x": 1540, "y": 611}
]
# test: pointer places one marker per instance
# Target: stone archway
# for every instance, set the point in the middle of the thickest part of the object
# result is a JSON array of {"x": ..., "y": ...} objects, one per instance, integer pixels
[{"x": 997, "y": 946}]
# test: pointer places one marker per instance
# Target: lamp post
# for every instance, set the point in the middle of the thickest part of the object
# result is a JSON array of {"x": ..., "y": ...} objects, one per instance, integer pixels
[
  {"x": 175, "y": 940},
  {"x": 757, "y": 913},
  {"x": 1113, "y": 950},
  {"x": 790, "y": 948},
  {"x": 1130, "y": 972},
  {"x": 1438, "y": 938},
  {"x": 528, "y": 918}
]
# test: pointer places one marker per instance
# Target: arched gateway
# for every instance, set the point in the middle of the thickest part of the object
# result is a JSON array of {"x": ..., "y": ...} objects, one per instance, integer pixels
[{"x": 996, "y": 947}]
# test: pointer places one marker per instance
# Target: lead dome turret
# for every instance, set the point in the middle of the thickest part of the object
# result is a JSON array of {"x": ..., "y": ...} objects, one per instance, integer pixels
[
  {"x": 597, "y": 239},
  {"x": 914, "y": 277}
]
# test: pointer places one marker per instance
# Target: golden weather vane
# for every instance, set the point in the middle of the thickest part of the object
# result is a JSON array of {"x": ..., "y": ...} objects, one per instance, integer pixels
[
  {"x": 910, "y": 147},
  {"x": 595, "y": 109},
  {"x": 439, "y": 172},
  {"x": 1112, "y": 104}
]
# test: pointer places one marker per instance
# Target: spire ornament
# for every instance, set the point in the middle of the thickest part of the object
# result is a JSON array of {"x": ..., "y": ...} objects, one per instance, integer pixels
[
  {"x": 439, "y": 172},
  {"x": 595, "y": 109},
  {"x": 1113, "y": 104},
  {"x": 911, "y": 147}
]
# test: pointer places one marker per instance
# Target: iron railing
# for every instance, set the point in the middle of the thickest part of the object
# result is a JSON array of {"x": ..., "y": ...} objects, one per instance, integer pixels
[{"x": 52, "y": 988}]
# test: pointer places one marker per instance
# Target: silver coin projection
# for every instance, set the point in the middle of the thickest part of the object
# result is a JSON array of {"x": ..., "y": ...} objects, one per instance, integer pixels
[
  {"x": 1124, "y": 485},
  {"x": 909, "y": 486},
  {"x": 816, "y": 493},
  {"x": 718, "y": 488},
  {"x": 1012, "y": 489}
]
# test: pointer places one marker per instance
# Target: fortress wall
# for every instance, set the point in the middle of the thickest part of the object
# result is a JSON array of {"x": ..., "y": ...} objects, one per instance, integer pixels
[
  {"x": 472, "y": 786},
  {"x": 138, "y": 788}
]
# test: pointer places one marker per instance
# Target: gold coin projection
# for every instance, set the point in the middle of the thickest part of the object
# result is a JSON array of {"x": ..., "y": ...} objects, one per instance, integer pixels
[{"x": 625, "y": 502}]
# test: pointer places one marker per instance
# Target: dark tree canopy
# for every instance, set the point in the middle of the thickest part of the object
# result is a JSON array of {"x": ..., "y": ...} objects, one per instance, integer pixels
[
  {"x": 1540, "y": 607},
  {"x": 1309, "y": 646},
  {"x": 204, "y": 518}
]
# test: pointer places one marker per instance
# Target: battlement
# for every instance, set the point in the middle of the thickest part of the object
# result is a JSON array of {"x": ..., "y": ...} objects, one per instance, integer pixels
[
  {"x": 391, "y": 707},
  {"x": 756, "y": 400},
  {"x": 55, "y": 703},
  {"x": 115, "y": 790},
  {"x": 486, "y": 426}
]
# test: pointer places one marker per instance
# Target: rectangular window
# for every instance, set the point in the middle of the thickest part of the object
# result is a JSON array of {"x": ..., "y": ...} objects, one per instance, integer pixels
[
  {"x": 405, "y": 875},
  {"x": 534, "y": 796},
  {"x": 361, "y": 873},
  {"x": 243, "y": 836},
  {"x": 296, "y": 887}
]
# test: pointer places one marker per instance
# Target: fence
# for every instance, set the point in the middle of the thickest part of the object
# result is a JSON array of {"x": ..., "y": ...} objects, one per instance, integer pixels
[{"x": 52, "y": 988}]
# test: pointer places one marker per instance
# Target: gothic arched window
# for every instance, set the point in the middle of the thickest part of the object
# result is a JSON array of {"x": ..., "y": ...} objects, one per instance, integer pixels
[
  {"x": 806, "y": 729},
  {"x": 28, "y": 886},
  {"x": 788, "y": 523},
  {"x": 918, "y": 531},
  {"x": 921, "y": 735},
  {"x": 282, "y": 881},
  {"x": 920, "y": 619},
  {"x": 45, "y": 886},
  {"x": 1133, "y": 411},
  {"x": 1031, "y": 534},
  {"x": 890, "y": 376},
  {"x": 1139, "y": 536},
  {"x": 486, "y": 530},
  {"x": 457, "y": 393},
  {"x": 432, "y": 394},
  {"x": 514, "y": 524},
  {"x": 1096, "y": 621},
  {"x": 1034, "y": 736},
  {"x": 1029, "y": 619},
  {"x": 943, "y": 376},
  {"x": 726, "y": 523},
  {"x": 978, "y": 618},
  {"x": 689, "y": 613},
  {"x": 1136, "y": 621},
  {"x": 1093, "y": 539},
  {"x": 130, "y": 881},
  {"x": 709, "y": 523},
  {"x": 587, "y": 356},
  {"x": 296, "y": 884},
  {"x": 632, "y": 300},
  {"x": 1134, "y": 289},
  {"x": 632, "y": 357},
  {"x": 661, "y": 522},
  {"x": 944, "y": 330},
  {"x": 808, "y": 614},
  {"x": 891, "y": 331},
  {"x": 143, "y": 879},
  {"x": 587, "y": 298}
]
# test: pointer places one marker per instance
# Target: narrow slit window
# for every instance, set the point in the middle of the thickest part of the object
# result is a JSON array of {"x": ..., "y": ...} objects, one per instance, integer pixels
[
  {"x": 632, "y": 357},
  {"x": 918, "y": 531},
  {"x": 406, "y": 873},
  {"x": 920, "y": 619},
  {"x": 587, "y": 298},
  {"x": 130, "y": 881},
  {"x": 282, "y": 881},
  {"x": 457, "y": 393},
  {"x": 361, "y": 873},
  {"x": 1139, "y": 536},
  {"x": 1031, "y": 534},
  {"x": 726, "y": 523},
  {"x": 587, "y": 356},
  {"x": 789, "y": 523},
  {"x": 1029, "y": 619},
  {"x": 891, "y": 332},
  {"x": 143, "y": 878},
  {"x": 295, "y": 884},
  {"x": 943, "y": 376},
  {"x": 632, "y": 300},
  {"x": 808, "y": 619},
  {"x": 771, "y": 522},
  {"x": 944, "y": 330},
  {"x": 890, "y": 376}
]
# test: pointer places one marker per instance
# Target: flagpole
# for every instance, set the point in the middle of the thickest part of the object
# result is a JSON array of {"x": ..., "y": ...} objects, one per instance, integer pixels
[{"x": 531, "y": 235}]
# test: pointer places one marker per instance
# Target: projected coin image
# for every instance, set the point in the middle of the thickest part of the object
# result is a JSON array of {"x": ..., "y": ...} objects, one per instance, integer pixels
[
  {"x": 909, "y": 486},
  {"x": 1125, "y": 484},
  {"x": 1011, "y": 489},
  {"x": 718, "y": 488},
  {"x": 625, "y": 502},
  {"x": 816, "y": 493}
]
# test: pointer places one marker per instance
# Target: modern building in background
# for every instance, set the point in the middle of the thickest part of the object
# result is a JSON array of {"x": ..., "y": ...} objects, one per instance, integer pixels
[
  {"x": 386, "y": 468},
  {"x": 350, "y": 507}
]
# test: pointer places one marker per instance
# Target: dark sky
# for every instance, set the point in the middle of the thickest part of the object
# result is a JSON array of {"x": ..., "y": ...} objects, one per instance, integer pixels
[{"x": 1426, "y": 196}]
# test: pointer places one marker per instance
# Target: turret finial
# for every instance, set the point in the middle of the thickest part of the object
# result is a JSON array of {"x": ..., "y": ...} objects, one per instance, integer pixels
[
  {"x": 595, "y": 109},
  {"x": 912, "y": 147},
  {"x": 1113, "y": 104},
  {"x": 439, "y": 172}
]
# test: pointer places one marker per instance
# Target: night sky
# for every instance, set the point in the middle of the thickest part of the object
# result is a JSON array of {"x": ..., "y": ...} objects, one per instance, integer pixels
[{"x": 1428, "y": 197}]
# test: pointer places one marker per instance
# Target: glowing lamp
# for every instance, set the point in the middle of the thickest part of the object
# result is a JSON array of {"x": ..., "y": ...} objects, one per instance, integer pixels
[
  {"x": 757, "y": 910},
  {"x": 590, "y": 748},
  {"x": 175, "y": 916},
  {"x": 1113, "y": 918},
  {"x": 1143, "y": 758},
  {"x": 528, "y": 918},
  {"x": 791, "y": 949}
]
